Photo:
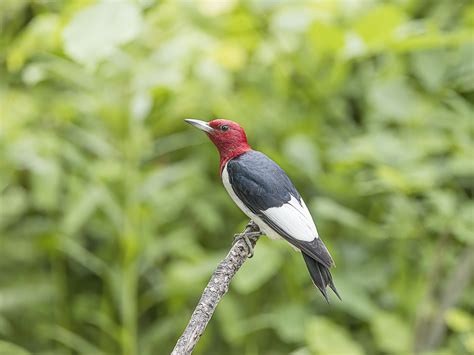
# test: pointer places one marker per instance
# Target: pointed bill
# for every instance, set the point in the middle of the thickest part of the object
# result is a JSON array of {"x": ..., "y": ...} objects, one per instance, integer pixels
[{"x": 202, "y": 125}]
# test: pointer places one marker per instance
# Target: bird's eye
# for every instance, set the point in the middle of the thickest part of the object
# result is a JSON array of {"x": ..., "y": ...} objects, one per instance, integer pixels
[{"x": 224, "y": 128}]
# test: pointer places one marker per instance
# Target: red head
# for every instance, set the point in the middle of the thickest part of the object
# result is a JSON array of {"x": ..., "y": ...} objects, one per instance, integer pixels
[{"x": 227, "y": 136}]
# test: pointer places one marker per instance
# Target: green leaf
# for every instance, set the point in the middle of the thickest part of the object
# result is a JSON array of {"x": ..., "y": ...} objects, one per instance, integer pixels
[
  {"x": 463, "y": 223},
  {"x": 430, "y": 66},
  {"x": 73, "y": 341},
  {"x": 258, "y": 270},
  {"x": 379, "y": 24},
  {"x": 391, "y": 333},
  {"x": 302, "y": 153},
  {"x": 45, "y": 183},
  {"x": 330, "y": 209},
  {"x": 12, "y": 349},
  {"x": 192, "y": 274},
  {"x": 358, "y": 302},
  {"x": 326, "y": 38},
  {"x": 81, "y": 255},
  {"x": 26, "y": 295},
  {"x": 289, "y": 322},
  {"x": 16, "y": 200},
  {"x": 40, "y": 35},
  {"x": 459, "y": 320},
  {"x": 230, "y": 319},
  {"x": 82, "y": 209},
  {"x": 393, "y": 98},
  {"x": 95, "y": 32},
  {"x": 323, "y": 336}
]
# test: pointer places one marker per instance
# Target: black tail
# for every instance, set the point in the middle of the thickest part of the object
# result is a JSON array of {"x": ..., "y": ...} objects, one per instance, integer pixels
[{"x": 321, "y": 276}]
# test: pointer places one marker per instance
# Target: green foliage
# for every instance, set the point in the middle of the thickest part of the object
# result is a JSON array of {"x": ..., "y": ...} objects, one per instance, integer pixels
[
  {"x": 112, "y": 215},
  {"x": 325, "y": 337},
  {"x": 9, "y": 348}
]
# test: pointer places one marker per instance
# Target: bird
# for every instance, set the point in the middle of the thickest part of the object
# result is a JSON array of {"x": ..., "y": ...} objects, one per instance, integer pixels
[{"x": 265, "y": 193}]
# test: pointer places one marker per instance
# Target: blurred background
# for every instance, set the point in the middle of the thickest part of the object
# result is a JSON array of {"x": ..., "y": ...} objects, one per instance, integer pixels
[{"x": 113, "y": 215}]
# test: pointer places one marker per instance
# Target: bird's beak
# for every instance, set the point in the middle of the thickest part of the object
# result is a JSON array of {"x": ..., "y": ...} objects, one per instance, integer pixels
[{"x": 202, "y": 125}]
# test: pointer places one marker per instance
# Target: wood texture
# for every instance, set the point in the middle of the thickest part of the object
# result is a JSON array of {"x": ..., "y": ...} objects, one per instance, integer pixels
[{"x": 216, "y": 288}]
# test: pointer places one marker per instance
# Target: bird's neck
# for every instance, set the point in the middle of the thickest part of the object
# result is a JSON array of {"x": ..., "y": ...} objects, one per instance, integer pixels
[{"x": 231, "y": 152}]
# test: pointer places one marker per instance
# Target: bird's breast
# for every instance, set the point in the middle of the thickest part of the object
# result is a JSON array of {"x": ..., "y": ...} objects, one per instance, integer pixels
[{"x": 265, "y": 228}]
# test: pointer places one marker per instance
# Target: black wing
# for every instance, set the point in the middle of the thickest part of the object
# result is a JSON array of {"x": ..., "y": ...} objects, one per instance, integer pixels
[{"x": 261, "y": 184}]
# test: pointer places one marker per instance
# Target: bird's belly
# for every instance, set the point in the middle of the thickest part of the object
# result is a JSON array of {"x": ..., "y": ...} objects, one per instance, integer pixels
[{"x": 265, "y": 228}]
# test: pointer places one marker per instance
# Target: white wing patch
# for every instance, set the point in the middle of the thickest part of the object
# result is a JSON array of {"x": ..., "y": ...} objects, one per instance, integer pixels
[
  {"x": 294, "y": 219},
  {"x": 265, "y": 228}
]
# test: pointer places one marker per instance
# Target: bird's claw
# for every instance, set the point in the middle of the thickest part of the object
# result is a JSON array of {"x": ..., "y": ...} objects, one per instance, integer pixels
[{"x": 246, "y": 237}]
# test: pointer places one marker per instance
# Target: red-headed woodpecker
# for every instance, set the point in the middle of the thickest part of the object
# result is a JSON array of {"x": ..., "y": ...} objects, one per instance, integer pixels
[{"x": 263, "y": 191}]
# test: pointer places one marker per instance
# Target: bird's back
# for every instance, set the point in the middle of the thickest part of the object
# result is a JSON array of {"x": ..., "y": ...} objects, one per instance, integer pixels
[
  {"x": 266, "y": 190},
  {"x": 266, "y": 194}
]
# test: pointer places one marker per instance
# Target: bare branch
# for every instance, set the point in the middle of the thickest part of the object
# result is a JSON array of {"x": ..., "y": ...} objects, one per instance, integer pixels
[{"x": 216, "y": 288}]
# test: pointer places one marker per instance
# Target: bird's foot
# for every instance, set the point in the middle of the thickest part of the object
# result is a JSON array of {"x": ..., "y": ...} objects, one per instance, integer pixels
[{"x": 246, "y": 237}]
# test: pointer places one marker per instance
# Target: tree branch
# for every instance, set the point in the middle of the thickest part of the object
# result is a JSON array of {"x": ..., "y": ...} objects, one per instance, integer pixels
[{"x": 216, "y": 289}]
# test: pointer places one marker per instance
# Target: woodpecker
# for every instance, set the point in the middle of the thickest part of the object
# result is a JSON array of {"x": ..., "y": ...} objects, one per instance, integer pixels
[{"x": 265, "y": 193}]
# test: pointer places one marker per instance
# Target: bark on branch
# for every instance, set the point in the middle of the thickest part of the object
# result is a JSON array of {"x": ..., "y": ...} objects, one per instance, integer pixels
[{"x": 214, "y": 291}]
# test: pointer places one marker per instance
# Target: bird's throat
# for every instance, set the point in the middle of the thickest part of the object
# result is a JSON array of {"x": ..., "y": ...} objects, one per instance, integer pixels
[{"x": 230, "y": 153}]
